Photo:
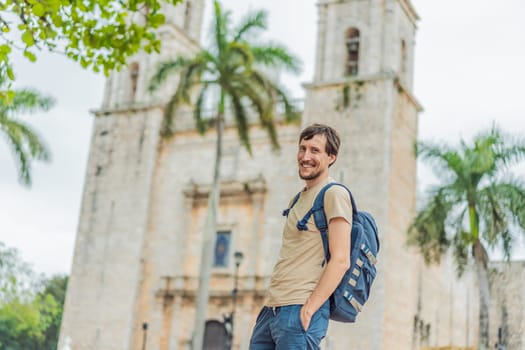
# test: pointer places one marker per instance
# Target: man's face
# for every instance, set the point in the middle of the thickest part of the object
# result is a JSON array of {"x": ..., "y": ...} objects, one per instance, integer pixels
[{"x": 312, "y": 158}]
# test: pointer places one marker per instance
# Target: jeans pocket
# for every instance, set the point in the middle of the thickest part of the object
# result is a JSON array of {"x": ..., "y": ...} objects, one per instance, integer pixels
[
  {"x": 261, "y": 314},
  {"x": 293, "y": 315},
  {"x": 319, "y": 322}
]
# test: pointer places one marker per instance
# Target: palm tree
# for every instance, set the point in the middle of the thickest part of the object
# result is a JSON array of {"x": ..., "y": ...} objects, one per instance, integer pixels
[
  {"x": 24, "y": 142},
  {"x": 231, "y": 66},
  {"x": 478, "y": 206}
]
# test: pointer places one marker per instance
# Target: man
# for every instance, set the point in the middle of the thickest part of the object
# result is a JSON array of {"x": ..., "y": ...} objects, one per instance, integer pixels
[{"x": 296, "y": 311}]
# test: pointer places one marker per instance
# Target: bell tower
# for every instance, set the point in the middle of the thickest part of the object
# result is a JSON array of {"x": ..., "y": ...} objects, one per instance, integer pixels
[
  {"x": 360, "y": 39},
  {"x": 363, "y": 86}
]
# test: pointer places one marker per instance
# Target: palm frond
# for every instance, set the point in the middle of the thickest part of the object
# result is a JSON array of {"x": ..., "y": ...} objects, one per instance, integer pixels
[
  {"x": 428, "y": 230},
  {"x": 200, "y": 121},
  {"x": 166, "y": 69},
  {"x": 240, "y": 56},
  {"x": 460, "y": 250},
  {"x": 502, "y": 204},
  {"x": 512, "y": 154},
  {"x": 169, "y": 112},
  {"x": 249, "y": 24},
  {"x": 245, "y": 88},
  {"x": 275, "y": 55},
  {"x": 221, "y": 26},
  {"x": 278, "y": 95},
  {"x": 189, "y": 78},
  {"x": 290, "y": 111},
  {"x": 513, "y": 191},
  {"x": 480, "y": 157},
  {"x": 437, "y": 156},
  {"x": 493, "y": 151},
  {"x": 27, "y": 101},
  {"x": 241, "y": 121},
  {"x": 274, "y": 95},
  {"x": 508, "y": 149},
  {"x": 259, "y": 92},
  {"x": 25, "y": 145}
]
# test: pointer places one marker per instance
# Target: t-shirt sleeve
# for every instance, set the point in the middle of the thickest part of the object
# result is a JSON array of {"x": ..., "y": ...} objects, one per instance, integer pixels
[{"x": 337, "y": 204}]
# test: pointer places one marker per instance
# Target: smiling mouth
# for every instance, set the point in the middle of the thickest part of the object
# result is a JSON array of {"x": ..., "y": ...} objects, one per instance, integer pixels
[{"x": 303, "y": 165}]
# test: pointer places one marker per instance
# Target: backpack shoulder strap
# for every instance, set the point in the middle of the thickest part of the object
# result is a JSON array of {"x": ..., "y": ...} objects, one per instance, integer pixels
[
  {"x": 317, "y": 211},
  {"x": 295, "y": 199}
]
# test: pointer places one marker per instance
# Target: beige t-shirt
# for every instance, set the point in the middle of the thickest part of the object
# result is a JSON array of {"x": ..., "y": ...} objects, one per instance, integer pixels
[{"x": 301, "y": 259}]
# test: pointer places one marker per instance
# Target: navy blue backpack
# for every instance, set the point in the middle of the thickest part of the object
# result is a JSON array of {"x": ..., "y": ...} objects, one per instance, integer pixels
[{"x": 354, "y": 289}]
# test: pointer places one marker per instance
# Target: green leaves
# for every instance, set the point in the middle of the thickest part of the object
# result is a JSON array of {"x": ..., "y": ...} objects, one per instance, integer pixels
[
  {"x": 4, "y": 52},
  {"x": 98, "y": 34},
  {"x": 39, "y": 10},
  {"x": 475, "y": 203},
  {"x": 157, "y": 19},
  {"x": 30, "y": 56},
  {"x": 30, "y": 307},
  {"x": 27, "y": 38},
  {"x": 10, "y": 73},
  {"x": 24, "y": 142}
]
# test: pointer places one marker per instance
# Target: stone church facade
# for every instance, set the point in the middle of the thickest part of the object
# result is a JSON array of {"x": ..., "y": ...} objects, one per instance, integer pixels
[{"x": 135, "y": 269}]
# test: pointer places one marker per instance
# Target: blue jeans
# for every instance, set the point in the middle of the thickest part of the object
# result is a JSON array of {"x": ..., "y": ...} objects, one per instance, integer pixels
[{"x": 280, "y": 328}]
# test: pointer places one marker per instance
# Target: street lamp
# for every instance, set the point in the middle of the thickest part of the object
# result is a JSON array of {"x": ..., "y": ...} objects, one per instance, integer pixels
[
  {"x": 237, "y": 257},
  {"x": 144, "y": 334}
]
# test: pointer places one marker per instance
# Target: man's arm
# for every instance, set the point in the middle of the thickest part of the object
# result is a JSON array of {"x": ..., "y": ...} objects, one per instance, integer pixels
[{"x": 339, "y": 246}]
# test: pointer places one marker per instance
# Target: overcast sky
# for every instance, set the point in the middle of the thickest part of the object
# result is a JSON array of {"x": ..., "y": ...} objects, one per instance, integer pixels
[{"x": 469, "y": 72}]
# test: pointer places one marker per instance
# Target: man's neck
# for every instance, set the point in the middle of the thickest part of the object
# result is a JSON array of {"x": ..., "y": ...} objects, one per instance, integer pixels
[{"x": 314, "y": 182}]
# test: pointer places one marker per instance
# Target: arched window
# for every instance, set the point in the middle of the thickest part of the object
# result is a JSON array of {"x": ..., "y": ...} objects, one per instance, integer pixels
[
  {"x": 134, "y": 78},
  {"x": 403, "y": 66},
  {"x": 352, "y": 51}
]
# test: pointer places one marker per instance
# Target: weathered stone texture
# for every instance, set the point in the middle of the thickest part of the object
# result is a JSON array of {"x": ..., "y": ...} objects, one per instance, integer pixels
[
  {"x": 182, "y": 177},
  {"x": 507, "y": 307},
  {"x": 382, "y": 26},
  {"x": 106, "y": 265}
]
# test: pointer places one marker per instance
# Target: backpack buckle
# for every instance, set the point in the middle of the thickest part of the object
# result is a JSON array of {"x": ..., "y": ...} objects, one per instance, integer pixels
[{"x": 369, "y": 255}]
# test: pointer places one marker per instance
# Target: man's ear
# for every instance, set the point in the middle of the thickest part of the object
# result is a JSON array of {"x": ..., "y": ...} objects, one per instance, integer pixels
[{"x": 333, "y": 157}]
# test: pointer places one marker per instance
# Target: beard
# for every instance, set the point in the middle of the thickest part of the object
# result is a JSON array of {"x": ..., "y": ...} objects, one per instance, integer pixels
[{"x": 311, "y": 176}]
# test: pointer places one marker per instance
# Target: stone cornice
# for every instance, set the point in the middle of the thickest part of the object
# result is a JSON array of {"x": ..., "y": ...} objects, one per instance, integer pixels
[
  {"x": 409, "y": 9},
  {"x": 130, "y": 107},
  {"x": 406, "y": 5},
  {"x": 328, "y": 2},
  {"x": 220, "y": 294},
  {"x": 389, "y": 75},
  {"x": 228, "y": 188},
  {"x": 186, "y": 286},
  {"x": 408, "y": 94},
  {"x": 351, "y": 79},
  {"x": 184, "y": 118}
]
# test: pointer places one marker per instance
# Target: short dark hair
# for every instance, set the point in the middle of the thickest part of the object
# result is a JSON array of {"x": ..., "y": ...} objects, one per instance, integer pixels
[{"x": 332, "y": 137}]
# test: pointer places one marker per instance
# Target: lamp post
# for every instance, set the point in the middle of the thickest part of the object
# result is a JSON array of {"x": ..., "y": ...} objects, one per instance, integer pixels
[
  {"x": 237, "y": 257},
  {"x": 144, "y": 334}
]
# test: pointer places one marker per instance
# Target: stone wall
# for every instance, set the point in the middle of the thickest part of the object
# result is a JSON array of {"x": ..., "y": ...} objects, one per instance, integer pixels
[
  {"x": 107, "y": 260},
  {"x": 507, "y": 306},
  {"x": 254, "y": 192}
]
